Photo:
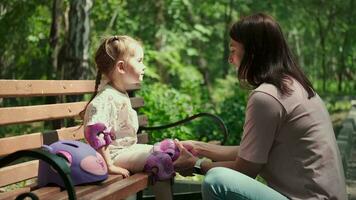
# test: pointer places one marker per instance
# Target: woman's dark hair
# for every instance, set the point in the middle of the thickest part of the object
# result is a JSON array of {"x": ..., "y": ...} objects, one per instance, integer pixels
[{"x": 267, "y": 57}]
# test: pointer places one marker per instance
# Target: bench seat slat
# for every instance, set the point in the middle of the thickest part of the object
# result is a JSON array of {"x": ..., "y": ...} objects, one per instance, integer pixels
[
  {"x": 83, "y": 190},
  {"x": 121, "y": 189},
  {"x": 45, "y": 191},
  {"x": 14, "y": 193},
  {"x": 24, "y": 114},
  {"x": 27, "y": 88}
]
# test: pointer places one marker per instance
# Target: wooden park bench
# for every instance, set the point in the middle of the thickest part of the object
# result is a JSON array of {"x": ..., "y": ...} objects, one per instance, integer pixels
[{"x": 28, "y": 144}]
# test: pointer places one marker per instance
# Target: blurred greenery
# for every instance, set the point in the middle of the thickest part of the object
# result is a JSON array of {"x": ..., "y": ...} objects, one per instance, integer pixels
[{"x": 186, "y": 49}]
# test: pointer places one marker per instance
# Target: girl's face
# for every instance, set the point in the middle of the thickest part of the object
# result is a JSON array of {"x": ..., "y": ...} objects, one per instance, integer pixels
[
  {"x": 236, "y": 53},
  {"x": 135, "y": 66}
]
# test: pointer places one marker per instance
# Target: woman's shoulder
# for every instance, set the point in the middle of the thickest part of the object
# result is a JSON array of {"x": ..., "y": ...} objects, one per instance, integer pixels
[
  {"x": 268, "y": 89},
  {"x": 268, "y": 94},
  {"x": 296, "y": 90}
]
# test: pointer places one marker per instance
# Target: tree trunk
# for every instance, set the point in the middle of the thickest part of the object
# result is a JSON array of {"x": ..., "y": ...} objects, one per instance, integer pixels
[
  {"x": 76, "y": 55},
  {"x": 54, "y": 38},
  {"x": 77, "y": 44},
  {"x": 53, "y": 56}
]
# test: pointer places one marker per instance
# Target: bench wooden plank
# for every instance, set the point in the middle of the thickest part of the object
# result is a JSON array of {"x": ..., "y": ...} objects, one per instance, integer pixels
[
  {"x": 121, "y": 189},
  {"x": 14, "y": 193},
  {"x": 85, "y": 189},
  {"x": 77, "y": 133},
  {"x": 12, "y": 144},
  {"x": 24, "y": 114},
  {"x": 26, "y": 88},
  {"x": 18, "y": 172},
  {"x": 35, "y": 140},
  {"x": 71, "y": 133},
  {"x": 45, "y": 191}
]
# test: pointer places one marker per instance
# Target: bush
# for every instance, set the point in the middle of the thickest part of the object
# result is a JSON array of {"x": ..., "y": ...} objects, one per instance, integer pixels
[
  {"x": 166, "y": 105},
  {"x": 231, "y": 107}
]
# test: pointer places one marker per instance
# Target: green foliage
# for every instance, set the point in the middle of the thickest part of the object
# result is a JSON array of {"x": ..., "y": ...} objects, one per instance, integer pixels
[
  {"x": 24, "y": 28},
  {"x": 186, "y": 46},
  {"x": 334, "y": 105},
  {"x": 232, "y": 103},
  {"x": 165, "y": 105}
]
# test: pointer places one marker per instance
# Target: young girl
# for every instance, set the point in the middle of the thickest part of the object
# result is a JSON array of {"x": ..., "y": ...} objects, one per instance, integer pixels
[{"x": 110, "y": 123}]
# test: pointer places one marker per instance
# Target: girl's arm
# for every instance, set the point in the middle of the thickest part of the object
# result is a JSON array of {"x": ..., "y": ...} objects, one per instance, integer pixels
[
  {"x": 211, "y": 151},
  {"x": 113, "y": 169}
]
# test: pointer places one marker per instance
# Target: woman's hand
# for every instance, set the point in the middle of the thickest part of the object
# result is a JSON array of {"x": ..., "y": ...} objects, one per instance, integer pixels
[
  {"x": 190, "y": 145},
  {"x": 118, "y": 170},
  {"x": 186, "y": 160}
]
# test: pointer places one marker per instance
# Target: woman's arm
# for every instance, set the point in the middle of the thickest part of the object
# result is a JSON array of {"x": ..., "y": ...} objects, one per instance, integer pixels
[
  {"x": 248, "y": 168},
  {"x": 104, "y": 151},
  {"x": 186, "y": 162},
  {"x": 211, "y": 151}
]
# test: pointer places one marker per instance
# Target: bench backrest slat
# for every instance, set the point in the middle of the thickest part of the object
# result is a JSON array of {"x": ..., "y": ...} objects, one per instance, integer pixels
[
  {"x": 25, "y": 88},
  {"x": 24, "y": 114},
  {"x": 19, "y": 172},
  {"x": 14, "y": 193},
  {"x": 12, "y": 144},
  {"x": 35, "y": 140}
]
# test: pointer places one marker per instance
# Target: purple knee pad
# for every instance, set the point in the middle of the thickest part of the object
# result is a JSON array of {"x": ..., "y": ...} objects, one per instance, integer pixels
[
  {"x": 167, "y": 146},
  {"x": 160, "y": 162},
  {"x": 160, "y": 165},
  {"x": 92, "y": 133}
]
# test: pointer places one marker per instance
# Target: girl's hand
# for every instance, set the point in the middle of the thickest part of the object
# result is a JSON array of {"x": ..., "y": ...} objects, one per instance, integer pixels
[
  {"x": 190, "y": 146},
  {"x": 185, "y": 161},
  {"x": 118, "y": 170}
]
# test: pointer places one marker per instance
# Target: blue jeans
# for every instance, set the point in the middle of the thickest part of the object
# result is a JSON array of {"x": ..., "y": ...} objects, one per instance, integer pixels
[{"x": 224, "y": 183}]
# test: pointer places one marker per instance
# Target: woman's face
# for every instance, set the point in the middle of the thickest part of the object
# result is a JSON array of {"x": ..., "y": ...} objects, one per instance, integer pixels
[{"x": 236, "y": 53}]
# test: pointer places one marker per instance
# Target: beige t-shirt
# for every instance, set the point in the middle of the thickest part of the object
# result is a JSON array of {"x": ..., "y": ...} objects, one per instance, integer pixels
[
  {"x": 293, "y": 137},
  {"x": 114, "y": 109}
]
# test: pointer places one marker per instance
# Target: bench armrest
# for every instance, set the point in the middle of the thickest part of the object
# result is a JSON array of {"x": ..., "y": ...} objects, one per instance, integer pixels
[
  {"x": 215, "y": 118},
  {"x": 56, "y": 162}
]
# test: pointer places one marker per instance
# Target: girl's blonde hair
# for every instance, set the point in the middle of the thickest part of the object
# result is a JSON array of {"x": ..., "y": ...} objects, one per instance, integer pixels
[{"x": 110, "y": 51}]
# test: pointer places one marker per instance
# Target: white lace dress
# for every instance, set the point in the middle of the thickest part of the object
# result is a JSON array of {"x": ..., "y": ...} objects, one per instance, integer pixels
[{"x": 114, "y": 109}]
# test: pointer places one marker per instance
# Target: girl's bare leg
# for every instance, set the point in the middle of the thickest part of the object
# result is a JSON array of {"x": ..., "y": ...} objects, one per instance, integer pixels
[{"x": 134, "y": 160}]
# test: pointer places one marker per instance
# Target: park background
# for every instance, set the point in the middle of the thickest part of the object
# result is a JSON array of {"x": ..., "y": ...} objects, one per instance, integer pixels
[{"x": 186, "y": 46}]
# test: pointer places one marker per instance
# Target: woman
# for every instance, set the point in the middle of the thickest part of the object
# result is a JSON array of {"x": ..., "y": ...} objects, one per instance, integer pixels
[{"x": 288, "y": 138}]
